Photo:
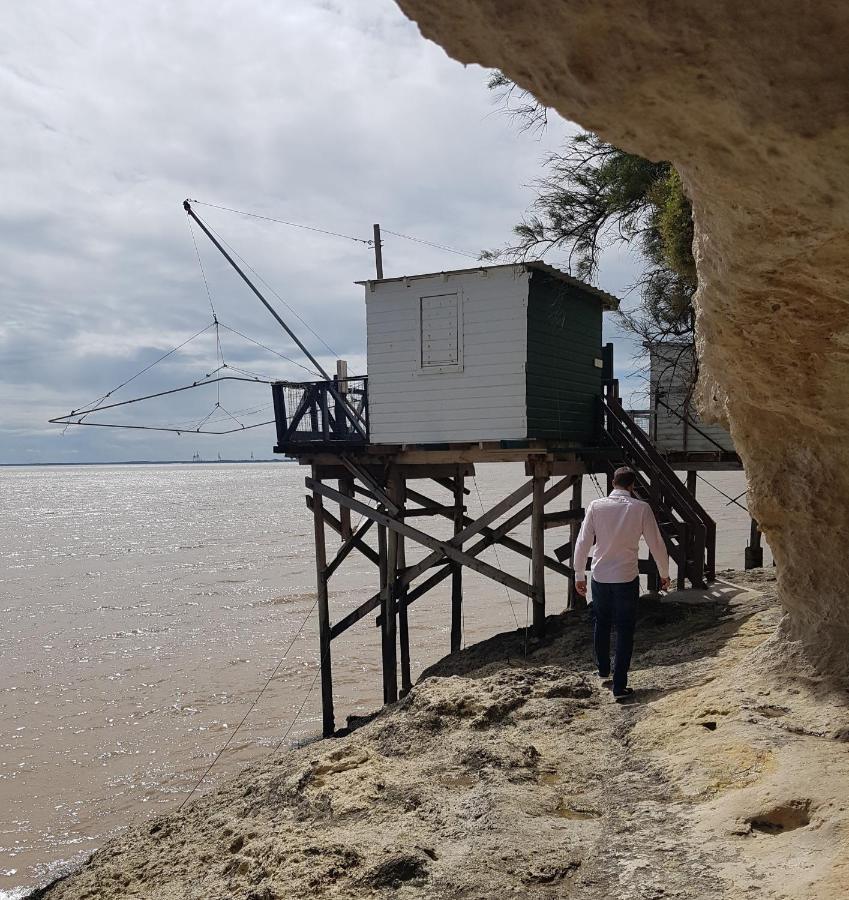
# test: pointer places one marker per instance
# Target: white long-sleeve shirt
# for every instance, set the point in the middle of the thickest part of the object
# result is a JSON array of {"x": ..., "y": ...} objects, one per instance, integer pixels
[{"x": 616, "y": 524}]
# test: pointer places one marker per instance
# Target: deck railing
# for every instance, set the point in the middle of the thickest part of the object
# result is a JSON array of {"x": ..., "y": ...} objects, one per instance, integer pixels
[{"x": 321, "y": 412}]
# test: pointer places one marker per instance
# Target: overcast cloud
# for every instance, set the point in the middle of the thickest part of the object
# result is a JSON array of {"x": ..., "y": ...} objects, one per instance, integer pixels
[{"x": 336, "y": 115}]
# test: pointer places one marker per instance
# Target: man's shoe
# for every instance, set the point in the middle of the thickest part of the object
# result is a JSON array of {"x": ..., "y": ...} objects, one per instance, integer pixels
[
  {"x": 623, "y": 695},
  {"x": 606, "y": 680}
]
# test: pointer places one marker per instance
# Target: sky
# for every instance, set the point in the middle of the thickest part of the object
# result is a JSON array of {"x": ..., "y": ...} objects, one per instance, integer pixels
[{"x": 335, "y": 115}]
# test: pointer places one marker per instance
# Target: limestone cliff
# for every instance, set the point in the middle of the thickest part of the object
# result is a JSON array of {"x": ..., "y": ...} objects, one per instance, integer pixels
[
  {"x": 507, "y": 775},
  {"x": 750, "y": 101}
]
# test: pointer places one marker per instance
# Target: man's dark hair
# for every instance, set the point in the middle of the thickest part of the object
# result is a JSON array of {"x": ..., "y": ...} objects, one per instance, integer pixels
[{"x": 624, "y": 477}]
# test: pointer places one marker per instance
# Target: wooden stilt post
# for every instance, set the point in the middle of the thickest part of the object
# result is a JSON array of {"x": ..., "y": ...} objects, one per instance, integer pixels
[
  {"x": 538, "y": 550},
  {"x": 576, "y": 601},
  {"x": 755, "y": 550},
  {"x": 346, "y": 487},
  {"x": 389, "y": 629},
  {"x": 399, "y": 591},
  {"x": 456, "y": 568},
  {"x": 328, "y": 725},
  {"x": 692, "y": 474}
]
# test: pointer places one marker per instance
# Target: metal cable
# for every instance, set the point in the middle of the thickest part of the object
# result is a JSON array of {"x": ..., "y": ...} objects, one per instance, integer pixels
[
  {"x": 497, "y": 559},
  {"x": 251, "y": 215},
  {"x": 288, "y": 306},
  {"x": 271, "y": 350},
  {"x": 251, "y": 707},
  {"x": 730, "y": 499},
  {"x": 408, "y": 237},
  {"x": 202, "y": 272},
  {"x": 82, "y": 410}
]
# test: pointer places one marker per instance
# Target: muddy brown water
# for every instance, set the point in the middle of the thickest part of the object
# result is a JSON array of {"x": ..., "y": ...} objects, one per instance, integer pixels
[{"x": 145, "y": 606}]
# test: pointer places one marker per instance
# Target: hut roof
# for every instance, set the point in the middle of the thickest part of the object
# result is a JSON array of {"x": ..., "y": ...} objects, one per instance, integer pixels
[{"x": 608, "y": 300}]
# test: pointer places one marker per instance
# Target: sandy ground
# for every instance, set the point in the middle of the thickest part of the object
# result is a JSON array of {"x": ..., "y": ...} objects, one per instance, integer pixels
[{"x": 507, "y": 775}]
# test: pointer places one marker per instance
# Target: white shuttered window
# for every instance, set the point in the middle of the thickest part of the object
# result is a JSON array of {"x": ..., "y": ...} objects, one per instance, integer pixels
[{"x": 441, "y": 331}]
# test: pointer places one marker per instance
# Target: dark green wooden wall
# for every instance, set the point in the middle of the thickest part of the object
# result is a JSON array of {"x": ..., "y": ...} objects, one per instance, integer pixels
[{"x": 564, "y": 340}]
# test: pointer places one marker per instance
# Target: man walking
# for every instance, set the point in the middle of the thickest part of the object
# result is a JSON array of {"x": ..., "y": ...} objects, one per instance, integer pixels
[{"x": 616, "y": 524}]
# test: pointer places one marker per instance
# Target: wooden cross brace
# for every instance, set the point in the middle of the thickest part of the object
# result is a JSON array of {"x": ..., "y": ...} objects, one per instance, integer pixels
[
  {"x": 441, "y": 548},
  {"x": 432, "y": 507},
  {"x": 491, "y": 536}
]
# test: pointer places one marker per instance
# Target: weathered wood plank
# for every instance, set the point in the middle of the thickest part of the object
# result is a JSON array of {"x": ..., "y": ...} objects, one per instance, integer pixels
[
  {"x": 348, "y": 546},
  {"x": 324, "y": 638},
  {"x": 538, "y": 553},
  {"x": 505, "y": 541},
  {"x": 377, "y": 491},
  {"x": 456, "y": 568},
  {"x": 481, "y": 522},
  {"x": 441, "y": 548},
  {"x": 336, "y": 525},
  {"x": 562, "y": 517}
]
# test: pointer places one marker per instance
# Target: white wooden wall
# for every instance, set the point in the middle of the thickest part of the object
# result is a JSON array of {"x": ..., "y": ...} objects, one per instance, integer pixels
[
  {"x": 481, "y": 398},
  {"x": 672, "y": 370}
]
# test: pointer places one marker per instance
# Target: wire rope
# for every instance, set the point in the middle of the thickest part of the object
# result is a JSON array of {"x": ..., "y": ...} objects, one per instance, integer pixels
[
  {"x": 408, "y": 237},
  {"x": 202, "y": 272},
  {"x": 271, "y": 350},
  {"x": 497, "y": 558},
  {"x": 288, "y": 306},
  {"x": 251, "y": 215},
  {"x": 251, "y": 707},
  {"x": 96, "y": 403},
  {"x": 730, "y": 499}
]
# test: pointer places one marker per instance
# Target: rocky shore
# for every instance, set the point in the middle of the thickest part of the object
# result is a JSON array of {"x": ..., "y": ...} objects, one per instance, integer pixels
[{"x": 511, "y": 774}]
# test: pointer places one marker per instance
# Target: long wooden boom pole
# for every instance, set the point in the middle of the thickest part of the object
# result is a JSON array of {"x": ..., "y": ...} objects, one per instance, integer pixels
[{"x": 188, "y": 208}]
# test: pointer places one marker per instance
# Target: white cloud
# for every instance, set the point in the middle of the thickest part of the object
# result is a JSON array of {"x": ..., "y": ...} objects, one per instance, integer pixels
[{"x": 332, "y": 114}]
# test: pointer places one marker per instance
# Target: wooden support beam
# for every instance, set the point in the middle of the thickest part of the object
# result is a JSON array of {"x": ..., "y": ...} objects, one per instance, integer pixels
[
  {"x": 549, "y": 467},
  {"x": 754, "y": 557},
  {"x": 377, "y": 491},
  {"x": 399, "y": 590},
  {"x": 329, "y": 467},
  {"x": 346, "y": 486},
  {"x": 564, "y": 551},
  {"x": 517, "y": 518},
  {"x": 692, "y": 475},
  {"x": 441, "y": 548},
  {"x": 505, "y": 541},
  {"x": 575, "y": 600},
  {"x": 336, "y": 525},
  {"x": 562, "y": 517},
  {"x": 348, "y": 546},
  {"x": 493, "y": 536},
  {"x": 538, "y": 553},
  {"x": 389, "y": 628},
  {"x": 328, "y": 725},
  {"x": 447, "y": 511},
  {"x": 325, "y": 417},
  {"x": 456, "y": 569},
  {"x": 470, "y": 530},
  {"x": 373, "y": 602},
  {"x": 449, "y": 482}
]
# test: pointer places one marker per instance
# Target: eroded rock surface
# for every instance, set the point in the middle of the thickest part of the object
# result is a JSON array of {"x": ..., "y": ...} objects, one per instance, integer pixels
[
  {"x": 750, "y": 101},
  {"x": 502, "y": 775}
]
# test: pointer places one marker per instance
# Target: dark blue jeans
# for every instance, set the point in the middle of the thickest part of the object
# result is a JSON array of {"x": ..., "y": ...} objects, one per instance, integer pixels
[{"x": 614, "y": 605}]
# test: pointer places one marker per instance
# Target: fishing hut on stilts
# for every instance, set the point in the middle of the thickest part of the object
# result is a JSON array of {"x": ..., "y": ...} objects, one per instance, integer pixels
[
  {"x": 476, "y": 366},
  {"x": 485, "y": 365}
]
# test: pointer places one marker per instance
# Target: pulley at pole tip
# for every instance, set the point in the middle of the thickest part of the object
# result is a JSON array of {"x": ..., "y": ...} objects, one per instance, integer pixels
[{"x": 187, "y": 206}]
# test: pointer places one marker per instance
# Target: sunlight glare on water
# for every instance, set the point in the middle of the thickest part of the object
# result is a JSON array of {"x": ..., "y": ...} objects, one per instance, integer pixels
[{"x": 145, "y": 606}]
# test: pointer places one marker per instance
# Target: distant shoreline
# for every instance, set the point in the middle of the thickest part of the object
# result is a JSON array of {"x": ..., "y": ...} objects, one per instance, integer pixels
[{"x": 146, "y": 462}]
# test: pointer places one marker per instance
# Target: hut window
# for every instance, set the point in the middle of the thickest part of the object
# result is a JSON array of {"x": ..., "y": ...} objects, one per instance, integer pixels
[{"x": 440, "y": 321}]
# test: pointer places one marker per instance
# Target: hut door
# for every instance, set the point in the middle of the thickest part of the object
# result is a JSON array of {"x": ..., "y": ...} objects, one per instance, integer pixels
[{"x": 441, "y": 333}]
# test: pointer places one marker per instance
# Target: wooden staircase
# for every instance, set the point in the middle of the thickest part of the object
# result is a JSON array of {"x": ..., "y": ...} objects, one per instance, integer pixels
[{"x": 689, "y": 532}]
